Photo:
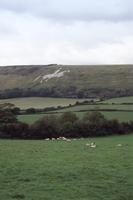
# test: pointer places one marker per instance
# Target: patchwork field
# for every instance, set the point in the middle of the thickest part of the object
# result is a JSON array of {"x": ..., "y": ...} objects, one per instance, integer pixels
[
  {"x": 38, "y": 170},
  {"x": 121, "y": 116},
  {"x": 97, "y": 107},
  {"x": 121, "y": 100},
  {"x": 38, "y": 102},
  {"x": 123, "y": 112}
]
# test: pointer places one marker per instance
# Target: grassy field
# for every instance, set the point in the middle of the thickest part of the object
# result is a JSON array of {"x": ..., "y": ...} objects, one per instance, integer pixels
[
  {"x": 120, "y": 100},
  {"x": 121, "y": 116},
  {"x": 40, "y": 102},
  {"x": 38, "y": 170},
  {"x": 100, "y": 106},
  {"x": 30, "y": 118}
]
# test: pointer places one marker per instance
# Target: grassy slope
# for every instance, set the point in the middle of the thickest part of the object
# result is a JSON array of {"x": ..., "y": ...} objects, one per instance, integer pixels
[
  {"x": 38, "y": 170},
  {"x": 115, "y": 77},
  {"x": 37, "y": 102},
  {"x": 102, "y": 107},
  {"x": 120, "y": 100}
]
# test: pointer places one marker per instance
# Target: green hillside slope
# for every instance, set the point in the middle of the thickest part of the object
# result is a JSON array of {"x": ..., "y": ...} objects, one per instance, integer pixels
[{"x": 66, "y": 81}]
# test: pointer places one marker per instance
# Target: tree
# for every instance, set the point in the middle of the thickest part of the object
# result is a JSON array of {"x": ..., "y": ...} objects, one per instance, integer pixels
[
  {"x": 16, "y": 110},
  {"x": 94, "y": 117},
  {"x": 7, "y": 117},
  {"x": 68, "y": 117},
  {"x": 47, "y": 127},
  {"x": 30, "y": 110}
]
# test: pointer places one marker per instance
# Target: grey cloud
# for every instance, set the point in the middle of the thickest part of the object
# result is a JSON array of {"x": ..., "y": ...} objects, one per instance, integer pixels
[
  {"x": 88, "y": 10},
  {"x": 66, "y": 31}
]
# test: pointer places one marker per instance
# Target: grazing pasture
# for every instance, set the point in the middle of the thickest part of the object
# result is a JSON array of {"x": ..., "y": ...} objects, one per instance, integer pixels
[
  {"x": 98, "y": 107},
  {"x": 38, "y": 170},
  {"x": 40, "y": 102},
  {"x": 120, "y": 100},
  {"x": 30, "y": 118},
  {"x": 122, "y": 116}
]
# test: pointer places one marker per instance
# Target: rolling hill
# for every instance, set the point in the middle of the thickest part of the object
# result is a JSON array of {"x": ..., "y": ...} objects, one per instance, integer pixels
[{"x": 66, "y": 81}]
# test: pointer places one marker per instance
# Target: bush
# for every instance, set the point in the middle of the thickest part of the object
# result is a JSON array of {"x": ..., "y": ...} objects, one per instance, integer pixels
[
  {"x": 68, "y": 125},
  {"x": 68, "y": 117},
  {"x": 47, "y": 127},
  {"x": 7, "y": 117},
  {"x": 14, "y": 130},
  {"x": 31, "y": 111}
]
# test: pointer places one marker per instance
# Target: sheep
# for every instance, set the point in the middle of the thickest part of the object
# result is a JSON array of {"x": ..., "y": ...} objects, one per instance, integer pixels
[
  {"x": 91, "y": 145},
  {"x": 63, "y": 138},
  {"x": 68, "y": 140},
  {"x": 47, "y": 139},
  {"x": 119, "y": 145},
  {"x": 88, "y": 144}
]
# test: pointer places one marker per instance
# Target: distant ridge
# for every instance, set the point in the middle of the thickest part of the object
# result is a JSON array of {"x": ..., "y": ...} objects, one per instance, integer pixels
[{"x": 56, "y": 80}]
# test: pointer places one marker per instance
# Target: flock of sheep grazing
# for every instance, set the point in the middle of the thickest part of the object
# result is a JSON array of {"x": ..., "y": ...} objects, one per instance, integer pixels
[
  {"x": 91, "y": 145},
  {"x": 60, "y": 138}
]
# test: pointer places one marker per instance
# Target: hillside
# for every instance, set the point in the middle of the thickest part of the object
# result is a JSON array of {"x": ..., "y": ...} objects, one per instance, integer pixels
[{"x": 66, "y": 81}]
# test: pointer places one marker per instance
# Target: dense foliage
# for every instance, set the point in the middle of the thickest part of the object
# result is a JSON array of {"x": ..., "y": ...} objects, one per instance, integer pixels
[
  {"x": 67, "y": 125},
  {"x": 68, "y": 92}
]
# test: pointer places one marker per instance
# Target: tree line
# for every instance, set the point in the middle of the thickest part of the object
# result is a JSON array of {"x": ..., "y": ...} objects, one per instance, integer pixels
[
  {"x": 67, "y": 92},
  {"x": 68, "y": 125}
]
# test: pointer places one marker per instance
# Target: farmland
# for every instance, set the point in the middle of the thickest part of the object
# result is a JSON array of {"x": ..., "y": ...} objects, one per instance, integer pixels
[
  {"x": 122, "y": 116},
  {"x": 112, "y": 109},
  {"x": 120, "y": 100},
  {"x": 116, "y": 108},
  {"x": 37, "y": 102},
  {"x": 67, "y": 170}
]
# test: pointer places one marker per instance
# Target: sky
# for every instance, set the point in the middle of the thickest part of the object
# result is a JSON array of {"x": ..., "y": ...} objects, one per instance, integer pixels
[{"x": 66, "y": 32}]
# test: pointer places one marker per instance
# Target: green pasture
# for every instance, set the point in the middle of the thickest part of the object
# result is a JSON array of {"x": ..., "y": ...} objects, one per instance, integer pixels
[
  {"x": 59, "y": 170},
  {"x": 97, "y": 107},
  {"x": 120, "y": 115},
  {"x": 121, "y": 100},
  {"x": 30, "y": 118},
  {"x": 40, "y": 102}
]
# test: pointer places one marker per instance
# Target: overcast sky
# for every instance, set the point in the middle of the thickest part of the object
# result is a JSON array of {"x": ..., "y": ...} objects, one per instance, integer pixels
[{"x": 66, "y": 31}]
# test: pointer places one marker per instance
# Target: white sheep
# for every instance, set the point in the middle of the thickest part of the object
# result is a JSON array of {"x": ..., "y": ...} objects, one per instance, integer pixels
[
  {"x": 47, "y": 139},
  {"x": 68, "y": 140},
  {"x": 92, "y": 145},
  {"x": 88, "y": 145},
  {"x": 119, "y": 145}
]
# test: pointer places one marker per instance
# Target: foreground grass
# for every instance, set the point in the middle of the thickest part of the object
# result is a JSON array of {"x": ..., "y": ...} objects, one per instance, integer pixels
[{"x": 38, "y": 170}]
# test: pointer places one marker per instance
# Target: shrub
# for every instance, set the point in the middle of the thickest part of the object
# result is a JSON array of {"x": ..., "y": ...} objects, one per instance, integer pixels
[
  {"x": 7, "y": 117},
  {"x": 14, "y": 130},
  {"x": 30, "y": 110},
  {"x": 47, "y": 127},
  {"x": 68, "y": 117}
]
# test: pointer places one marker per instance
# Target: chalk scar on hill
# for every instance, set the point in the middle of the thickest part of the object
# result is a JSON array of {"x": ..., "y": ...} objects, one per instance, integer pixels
[{"x": 57, "y": 74}]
